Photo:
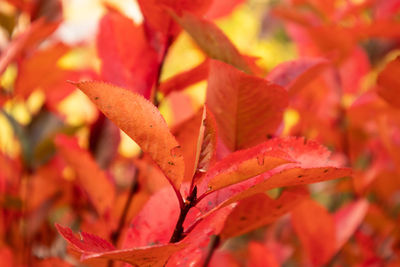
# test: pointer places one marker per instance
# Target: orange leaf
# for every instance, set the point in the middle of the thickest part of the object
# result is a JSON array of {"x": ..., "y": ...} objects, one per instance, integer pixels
[
  {"x": 254, "y": 110},
  {"x": 244, "y": 164},
  {"x": 316, "y": 230},
  {"x": 127, "y": 58},
  {"x": 142, "y": 121},
  {"x": 389, "y": 83},
  {"x": 259, "y": 210},
  {"x": 93, "y": 180},
  {"x": 211, "y": 40}
]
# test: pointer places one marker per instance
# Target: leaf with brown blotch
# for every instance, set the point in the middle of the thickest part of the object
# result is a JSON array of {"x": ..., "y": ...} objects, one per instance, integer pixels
[
  {"x": 94, "y": 247},
  {"x": 142, "y": 121},
  {"x": 185, "y": 79},
  {"x": 207, "y": 142},
  {"x": 389, "y": 83},
  {"x": 254, "y": 110},
  {"x": 127, "y": 58},
  {"x": 316, "y": 230},
  {"x": 211, "y": 40},
  {"x": 244, "y": 164},
  {"x": 259, "y": 210},
  {"x": 92, "y": 179},
  {"x": 294, "y": 75}
]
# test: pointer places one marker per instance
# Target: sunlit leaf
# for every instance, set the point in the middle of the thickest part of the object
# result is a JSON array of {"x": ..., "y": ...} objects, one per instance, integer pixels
[
  {"x": 254, "y": 110},
  {"x": 139, "y": 119}
]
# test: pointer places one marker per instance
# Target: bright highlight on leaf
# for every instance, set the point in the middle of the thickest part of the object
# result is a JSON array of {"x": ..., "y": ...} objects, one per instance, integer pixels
[{"x": 141, "y": 120}]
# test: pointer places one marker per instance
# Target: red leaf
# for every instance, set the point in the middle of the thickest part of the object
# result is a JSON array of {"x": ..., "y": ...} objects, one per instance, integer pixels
[
  {"x": 185, "y": 79},
  {"x": 156, "y": 221},
  {"x": 260, "y": 256},
  {"x": 158, "y": 19},
  {"x": 139, "y": 119},
  {"x": 244, "y": 164},
  {"x": 348, "y": 219},
  {"x": 92, "y": 179},
  {"x": 127, "y": 58},
  {"x": 87, "y": 243},
  {"x": 211, "y": 40},
  {"x": 93, "y": 247},
  {"x": 222, "y": 8},
  {"x": 254, "y": 109},
  {"x": 316, "y": 230},
  {"x": 313, "y": 164},
  {"x": 294, "y": 75},
  {"x": 198, "y": 239},
  {"x": 259, "y": 210},
  {"x": 36, "y": 32},
  {"x": 389, "y": 83}
]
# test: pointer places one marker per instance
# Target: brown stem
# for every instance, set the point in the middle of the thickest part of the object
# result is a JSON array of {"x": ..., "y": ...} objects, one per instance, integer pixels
[
  {"x": 159, "y": 70},
  {"x": 189, "y": 203},
  {"x": 214, "y": 243}
]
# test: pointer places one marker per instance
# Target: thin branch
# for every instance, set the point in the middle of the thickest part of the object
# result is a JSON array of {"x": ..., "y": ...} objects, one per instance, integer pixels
[
  {"x": 133, "y": 189},
  {"x": 214, "y": 243},
  {"x": 190, "y": 202}
]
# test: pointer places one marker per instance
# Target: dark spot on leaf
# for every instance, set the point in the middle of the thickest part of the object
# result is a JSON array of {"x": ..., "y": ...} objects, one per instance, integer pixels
[
  {"x": 279, "y": 206},
  {"x": 242, "y": 218},
  {"x": 325, "y": 171},
  {"x": 96, "y": 97},
  {"x": 151, "y": 126},
  {"x": 171, "y": 163},
  {"x": 300, "y": 176}
]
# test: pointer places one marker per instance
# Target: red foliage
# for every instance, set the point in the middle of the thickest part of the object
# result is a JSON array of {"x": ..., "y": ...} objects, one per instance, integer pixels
[{"x": 231, "y": 183}]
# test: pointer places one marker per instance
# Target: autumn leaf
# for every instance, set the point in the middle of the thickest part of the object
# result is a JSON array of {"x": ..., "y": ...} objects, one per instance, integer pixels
[
  {"x": 259, "y": 210},
  {"x": 294, "y": 75},
  {"x": 36, "y": 32},
  {"x": 244, "y": 164},
  {"x": 211, "y": 40},
  {"x": 312, "y": 163},
  {"x": 389, "y": 85},
  {"x": 139, "y": 119},
  {"x": 154, "y": 225},
  {"x": 254, "y": 110},
  {"x": 316, "y": 230},
  {"x": 158, "y": 19},
  {"x": 92, "y": 179},
  {"x": 94, "y": 247},
  {"x": 127, "y": 58}
]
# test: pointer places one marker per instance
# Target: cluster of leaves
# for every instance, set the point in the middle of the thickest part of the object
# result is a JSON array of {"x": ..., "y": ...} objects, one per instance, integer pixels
[{"x": 227, "y": 185}]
